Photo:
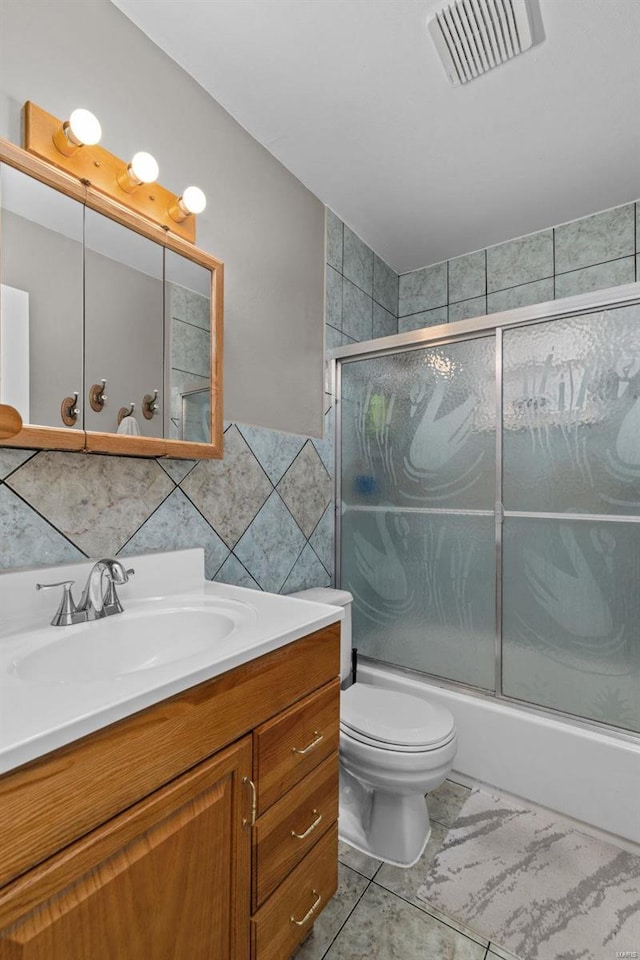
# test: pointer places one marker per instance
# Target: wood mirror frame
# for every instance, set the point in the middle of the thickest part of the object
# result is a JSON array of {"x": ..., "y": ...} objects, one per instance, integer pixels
[{"x": 58, "y": 438}]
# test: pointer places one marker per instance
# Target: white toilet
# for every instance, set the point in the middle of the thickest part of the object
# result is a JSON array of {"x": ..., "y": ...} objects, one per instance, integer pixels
[{"x": 394, "y": 748}]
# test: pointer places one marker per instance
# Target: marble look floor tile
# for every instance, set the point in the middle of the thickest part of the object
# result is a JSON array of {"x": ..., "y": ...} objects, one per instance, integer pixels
[
  {"x": 334, "y": 240},
  {"x": 422, "y": 290},
  {"x": 638, "y": 225},
  {"x": 28, "y": 540},
  {"x": 274, "y": 450},
  {"x": 307, "y": 572},
  {"x": 98, "y": 502},
  {"x": 10, "y": 460},
  {"x": 357, "y": 261},
  {"x": 500, "y": 953},
  {"x": 404, "y": 881},
  {"x": 306, "y": 488},
  {"x": 429, "y": 318},
  {"x": 351, "y": 886},
  {"x": 364, "y": 864},
  {"x": 385, "y": 927},
  {"x": 520, "y": 261},
  {"x": 177, "y": 525},
  {"x": 385, "y": 285},
  {"x": 604, "y": 236},
  {"x": 467, "y": 276},
  {"x": 229, "y": 492},
  {"x": 271, "y": 545},
  {"x": 445, "y": 802}
]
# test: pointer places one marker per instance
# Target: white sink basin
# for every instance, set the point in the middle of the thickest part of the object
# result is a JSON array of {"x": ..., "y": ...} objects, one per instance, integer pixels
[{"x": 139, "y": 639}]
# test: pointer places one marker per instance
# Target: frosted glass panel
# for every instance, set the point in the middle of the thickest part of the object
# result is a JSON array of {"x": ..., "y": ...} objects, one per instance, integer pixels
[
  {"x": 571, "y": 615},
  {"x": 424, "y": 590},
  {"x": 572, "y": 414},
  {"x": 418, "y": 427}
]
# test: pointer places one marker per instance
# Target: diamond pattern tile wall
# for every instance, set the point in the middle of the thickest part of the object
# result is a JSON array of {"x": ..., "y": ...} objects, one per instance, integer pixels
[
  {"x": 71, "y": 505},
  {"x": 229, "y": 492},
  {"x": 96, "y": 501},
  {"x": 271, "y": 545},
  {"x": 306, "y": 489},
  {"x": 176, "y": 525}
]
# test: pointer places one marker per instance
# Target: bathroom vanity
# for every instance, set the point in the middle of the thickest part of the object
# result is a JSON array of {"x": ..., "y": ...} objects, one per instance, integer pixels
[{"x": 201, "y": 826}]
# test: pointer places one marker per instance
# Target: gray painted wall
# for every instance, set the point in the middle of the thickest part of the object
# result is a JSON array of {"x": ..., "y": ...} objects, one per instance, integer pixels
[{"x": 265, "y": 225}]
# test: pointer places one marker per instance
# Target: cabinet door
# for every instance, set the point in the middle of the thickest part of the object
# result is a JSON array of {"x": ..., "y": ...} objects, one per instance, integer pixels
[{"x": 168, "y": 879}]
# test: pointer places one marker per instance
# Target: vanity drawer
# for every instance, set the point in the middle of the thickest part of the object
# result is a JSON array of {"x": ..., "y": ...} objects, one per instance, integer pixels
[
  {"x": 289, "y": 829},
  {"x": 287, "y": 916},
  {"x": 288, "y": 747}
]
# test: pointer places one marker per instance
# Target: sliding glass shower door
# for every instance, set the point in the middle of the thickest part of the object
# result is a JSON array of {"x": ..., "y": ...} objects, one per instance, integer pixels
[
  {"x": 490, "y": 510},
  {"x": 417, "y": 530},
  {"x": 571, "y": 493}
]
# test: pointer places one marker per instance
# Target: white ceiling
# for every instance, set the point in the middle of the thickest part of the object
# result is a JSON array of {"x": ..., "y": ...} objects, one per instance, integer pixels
[{"x": 351, "y": 97}]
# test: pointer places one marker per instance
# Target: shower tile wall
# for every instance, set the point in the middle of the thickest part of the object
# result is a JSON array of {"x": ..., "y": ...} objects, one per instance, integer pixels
[
  {"x": 599, "y": 251},
  {"x": 362, "y": 290}
]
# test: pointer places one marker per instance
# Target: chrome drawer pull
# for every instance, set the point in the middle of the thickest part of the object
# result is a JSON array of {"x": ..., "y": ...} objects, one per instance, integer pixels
[
  {"x": 314, "y": 743},
  {"x": 310, "y": 913},
  {"x": 302, "y": 836}
]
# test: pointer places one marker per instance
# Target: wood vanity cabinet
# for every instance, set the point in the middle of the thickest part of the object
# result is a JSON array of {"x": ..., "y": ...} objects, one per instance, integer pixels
[{"x": 201, "y": 828}]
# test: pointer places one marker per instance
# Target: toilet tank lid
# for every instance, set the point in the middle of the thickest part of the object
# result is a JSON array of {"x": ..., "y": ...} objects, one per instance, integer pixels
[
  {"x": 395, "y": 717},
  {"x": 337, "y": 598}
]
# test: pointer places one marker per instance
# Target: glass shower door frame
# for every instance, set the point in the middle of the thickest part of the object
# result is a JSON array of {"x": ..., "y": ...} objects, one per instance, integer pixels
[{"x": 441, "y": 335}]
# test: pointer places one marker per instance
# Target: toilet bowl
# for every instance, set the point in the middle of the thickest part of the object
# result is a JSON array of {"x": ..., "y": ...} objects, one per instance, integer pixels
[{"x": 394, "y": 748}]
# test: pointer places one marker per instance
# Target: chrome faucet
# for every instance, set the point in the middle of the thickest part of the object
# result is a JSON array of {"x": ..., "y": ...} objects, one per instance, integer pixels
[{"x": 99, "y": 597}]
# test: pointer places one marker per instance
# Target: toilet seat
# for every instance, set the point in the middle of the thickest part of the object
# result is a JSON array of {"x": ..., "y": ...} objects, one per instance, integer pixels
[{"x": 391, "y": 720}]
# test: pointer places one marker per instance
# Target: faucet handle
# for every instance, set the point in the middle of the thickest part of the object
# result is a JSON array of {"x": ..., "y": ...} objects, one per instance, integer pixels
[
  {"x": 111, "y": 599},
  {"x": 67, "y": 612}
]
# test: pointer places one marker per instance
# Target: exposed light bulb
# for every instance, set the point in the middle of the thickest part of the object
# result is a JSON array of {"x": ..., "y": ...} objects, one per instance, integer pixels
[
  {"x": 193, "y": 200},
  {"x": 144, "y": 168},
  {"x": 82, "y": 128}
]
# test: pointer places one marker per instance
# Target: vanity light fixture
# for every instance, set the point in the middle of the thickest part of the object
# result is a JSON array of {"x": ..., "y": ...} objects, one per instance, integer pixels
[
  {"x": 82, "y": 128},
  {"x": 192, "y": 201},
  {"x": 143, "y": 168},
  {"x": 72, "y": 146}
]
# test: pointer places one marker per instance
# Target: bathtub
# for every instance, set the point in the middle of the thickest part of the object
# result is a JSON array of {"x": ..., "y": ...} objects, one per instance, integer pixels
[{"x": 587, "y": 774}]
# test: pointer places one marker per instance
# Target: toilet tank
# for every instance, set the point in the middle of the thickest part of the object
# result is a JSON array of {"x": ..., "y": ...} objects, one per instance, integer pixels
[{"x": 336, "y": 598}]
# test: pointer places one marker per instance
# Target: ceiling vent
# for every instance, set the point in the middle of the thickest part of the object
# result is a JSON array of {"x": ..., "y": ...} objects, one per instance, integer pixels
[{"x": 474, "y": 36}]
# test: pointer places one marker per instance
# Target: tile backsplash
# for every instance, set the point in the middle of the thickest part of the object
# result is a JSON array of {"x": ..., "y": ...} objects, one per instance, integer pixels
[{"x": 263, "y": 514}]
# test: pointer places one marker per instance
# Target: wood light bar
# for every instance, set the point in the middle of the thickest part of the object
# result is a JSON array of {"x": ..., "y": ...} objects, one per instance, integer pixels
[{"x": 95, "y": 166}]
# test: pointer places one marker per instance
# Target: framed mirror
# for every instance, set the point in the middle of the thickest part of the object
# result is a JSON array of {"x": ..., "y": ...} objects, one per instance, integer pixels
[
  {"x": 97, "y": 300},
  {"x": 41, "y": 303}
]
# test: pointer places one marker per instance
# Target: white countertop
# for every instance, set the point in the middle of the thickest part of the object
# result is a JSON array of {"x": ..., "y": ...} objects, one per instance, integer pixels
[{"x": 37, "y": 716}]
